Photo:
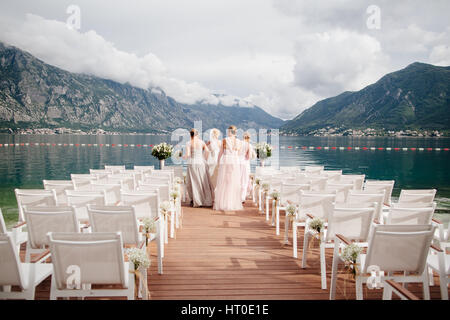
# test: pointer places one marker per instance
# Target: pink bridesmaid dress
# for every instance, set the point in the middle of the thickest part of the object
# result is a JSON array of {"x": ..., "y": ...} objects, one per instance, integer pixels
[{"x": 228, "y": 189}]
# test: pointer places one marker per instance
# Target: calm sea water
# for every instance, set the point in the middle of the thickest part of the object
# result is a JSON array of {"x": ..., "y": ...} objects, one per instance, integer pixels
[{"x": 27, "y": 166}]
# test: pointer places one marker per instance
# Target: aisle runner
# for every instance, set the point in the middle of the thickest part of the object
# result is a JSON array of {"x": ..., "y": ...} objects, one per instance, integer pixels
[{"x": 150, "y": 146}]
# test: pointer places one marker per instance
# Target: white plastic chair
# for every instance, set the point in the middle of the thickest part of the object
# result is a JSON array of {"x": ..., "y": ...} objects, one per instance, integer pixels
[
  {"x": 440, "y": 263},
  {"x": 127, "y": 180},
  {"x": 80, "y": 200},
  {"x": 145, "y": 169},
  {"x": 99, "y": 258},
  {"x": 34, "y": 197},
  {"x": 123, "y": 219},
  {"x": 398, "y": 215},
  {"x": 341, "y": 190},
  {"x": 138, "y": 175},
  {"x": 332, "y": 175},
  {"x": 376, "y": 186},
  {"x": 314, "y": 169},
  {"x": 392, "y": 248},
  {"x": 365, "y": 197},
  {"x": 82, "y": 181},
  {"x": 413, "y": 196},
  {"x": 17, "y": 235},
  {"x": 112, "y": 191},
  {"x": 15, "y": 273},
  {"x": 41, "y": 220},
  {"x": 353, "y": 223},
  {"x": 316, "y": 203},
  {"x": 60, "y": 187},
  {"x": 168, "y": 173},
  {"x": 114, "y": 169},
  {"x": 356, "y": 179},
  {"x": 289, "y": 194}
]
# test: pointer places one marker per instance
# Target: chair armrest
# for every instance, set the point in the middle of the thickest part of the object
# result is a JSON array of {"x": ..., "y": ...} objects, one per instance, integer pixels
[
  {"x": 309, "y": 215},
  {"x": 343, "y": 239},
  {"x": 376, "y": 221},
  {"x": 436, "y": 248},
  {"x": 20, "y": 224},
  {"x": 405, "y": 292},
  {"x": 40, "y": 256},
  {"x": 387, "y": 205},
  {"x": 436, "y": 221}
]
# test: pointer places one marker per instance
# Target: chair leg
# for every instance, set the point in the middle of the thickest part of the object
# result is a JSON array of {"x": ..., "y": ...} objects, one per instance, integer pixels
[
  {"x": 259, "y": 200},
  {"x": 166, "y": 230},
  {"x": 273, "y": 213},
  {"x": 426, "y": 288},
  {"x": 305, "y": 249},
  {"x": 387, "y": 293},
  {"x": 334, "y": 269},
  {"x": 443, "y": 283},
  {"x": 277, "y": 222},
  {"x": 172, "y": 224},
  {"x": 53, "y": 288},
  {"x": 359, "y": 288},
  {"x": 431, "y": 276},
  {"x": 294, "y": 239},
  {"x": 286, "y": 229},
  {"x": 267, "y": 208},
  {"x": 323, "y": 266},
  {"x": 159, "y": 255}
]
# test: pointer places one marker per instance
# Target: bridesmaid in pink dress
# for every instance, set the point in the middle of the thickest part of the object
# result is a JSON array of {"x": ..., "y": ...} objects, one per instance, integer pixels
[{"x": 228, "y": 189}]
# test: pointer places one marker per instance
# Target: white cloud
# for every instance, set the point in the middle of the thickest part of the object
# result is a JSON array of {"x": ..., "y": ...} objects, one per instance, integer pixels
[{"x": 440, "y": 55}]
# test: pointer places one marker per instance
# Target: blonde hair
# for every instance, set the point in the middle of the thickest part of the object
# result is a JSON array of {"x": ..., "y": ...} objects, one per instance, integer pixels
[
  {"x": 246, "y": 136},
  {"x": 215, "y": 133},
  {"x": 232, "y": 129}
]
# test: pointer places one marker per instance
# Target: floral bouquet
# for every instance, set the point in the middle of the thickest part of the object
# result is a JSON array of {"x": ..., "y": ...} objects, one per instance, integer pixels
[
  {"x": 291, "y": 210},
  {"x": 141, "y": 261},
  {"x": 265, "y": 187},
  {"x": 316, "y": 225},
  {"x": 149, "y": 225},
  {"x": 263, "y": 150},
  {"x": 165, "y": 207},
  {"x": 257, "y": 181},
  {"x": 178, "y": 181},
  {"x": 162, "y": 151},
  {"x": 175, "y": 193},
  {"x": 350, "y": 256},
  {"x": 275, "y": 195}
]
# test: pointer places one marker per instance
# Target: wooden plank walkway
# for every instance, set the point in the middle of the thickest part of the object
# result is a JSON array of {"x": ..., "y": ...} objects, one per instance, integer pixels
[{"x": 236, "y": 256}]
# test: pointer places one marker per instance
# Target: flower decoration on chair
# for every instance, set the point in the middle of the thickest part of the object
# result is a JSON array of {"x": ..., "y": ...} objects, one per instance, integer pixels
[
  {"x": 149, "y": 225},
  {"x": 178, "y": 181},
  {"x": 265, "y": 187},
  {"x": 263, "y": 150},
  {"x": 162, "y": 151},
  {"x": 350, "y": 256},
  {"x": 291, "y": 210},
  {"x": 141, "y": 261},
  {"x": 174, "y": 195},
  {"x": 257, "y": 181},
  {"x": 316, "y": 225}
]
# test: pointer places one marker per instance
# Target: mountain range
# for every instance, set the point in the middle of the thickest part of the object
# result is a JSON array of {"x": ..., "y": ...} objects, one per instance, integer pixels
[
  {"x": 34, "y": 94},
  {"x": 416, "y": 97}
]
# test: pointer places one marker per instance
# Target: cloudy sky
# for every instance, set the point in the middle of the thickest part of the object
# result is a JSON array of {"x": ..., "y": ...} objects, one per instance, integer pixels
[{"x": 282, "y": 55}]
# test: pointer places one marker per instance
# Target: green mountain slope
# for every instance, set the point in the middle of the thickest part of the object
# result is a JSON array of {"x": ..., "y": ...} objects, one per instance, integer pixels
[{"x": 417, "y": 97}]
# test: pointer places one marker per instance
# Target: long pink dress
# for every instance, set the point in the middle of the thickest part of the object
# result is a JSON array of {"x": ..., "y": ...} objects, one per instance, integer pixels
[
  {"x": 228, "y": 189},
  {"x": 246, "y": 154}
]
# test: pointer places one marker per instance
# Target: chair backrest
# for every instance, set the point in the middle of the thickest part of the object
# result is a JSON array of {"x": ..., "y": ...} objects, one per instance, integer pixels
[
  {"x": 276, "y": 182},
  {"x": 376, "y": 186},
  {"x": 80, "y": 200},
  {"x": 99, "y": 256},
  {"x": 318, "y": 204},
  {"x": 138, "y": 175},
  {"x": 177, "y": 170},
  {"x": 164, "y": 174},
  {"x": 145, "y": 169},
  {"x": 417, "y": 195},
  {"x": 60, "y": 187},
  {"x": 164, "y": 189},
  {"x": 114, "y": 219},
  {"x": 404, "y": 215},
  {"x": 332, "y": 175},
  {"x": 362, "y": 197},
  {"x": 101, "y": 174},
  {"x": 259, "y": 171},
  {"x": 126, "y": 180},
  {"x": 11, "y": 269},
  {"x": 353, "y": 223},
  {"x": 34, "y": 197},
  {"x": 314, "y": 169},
  {"x": 115, "y": 169},
  {"x": 41, "y": 220},
  {"x": 149, "y": 179},
  {"x": 341, "y": 190},
  {"x": 82, "y": 181},
  {"x": 399, "y": 248},
  {"x": 112, "y": 191},
  {"x": 290, "y": 193},
  {"x": 356, "y": 179},
  {"x": 145, "y": 203},
  {"x": 318, "y": 183},
  {"x": 290, "y": 169},
  {"x": 2, "y": 223}
]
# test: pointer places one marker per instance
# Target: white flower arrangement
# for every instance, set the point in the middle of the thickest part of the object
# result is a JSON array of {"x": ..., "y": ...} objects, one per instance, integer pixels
[
  {"x": 263, "y": 150},
  {"x": 265, "y": 186},
  {"x": 257, "y": 181},
  {"x": 139, "y": 258},
  {"x": 275, "y": 195},
  {"x": 291, "y": 210},
  {"x": 174, "y": 194},
  {"x": 165, "y": 206},
  {"x": 162, "y": 151},
  {"x": 149, "y": 225},
  {"x": 316, "y": 224},
  {"x": 178, "y": 180},
  {"x": 351, "y": 252}
]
